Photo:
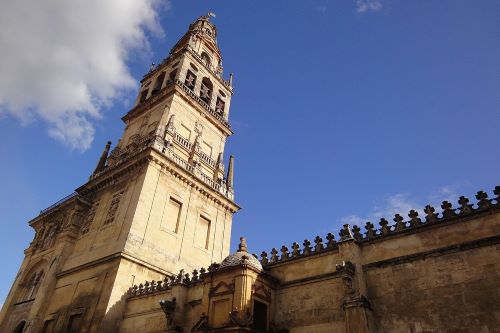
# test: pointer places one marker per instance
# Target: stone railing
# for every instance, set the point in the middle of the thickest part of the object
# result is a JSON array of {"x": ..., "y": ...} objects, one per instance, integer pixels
[
  {"x": 120, "y": 155},
  {"x": 188, "y": 146},
  {"x": 182, "y": 141},
  {"x": 400, "y": 225},
  {"x": 202, "y": 103},
  {"x": 207, "y": 159},
  {"x": 206, "y": 179}
]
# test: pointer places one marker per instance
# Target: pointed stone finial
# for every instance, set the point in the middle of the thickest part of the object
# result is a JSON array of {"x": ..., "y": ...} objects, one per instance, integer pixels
[
  {"x": 231, "y": 80},
  {"x": 102, "y": 161},
  {"x": 242, "y": 247},
  {"x": 230, "y": 173}
]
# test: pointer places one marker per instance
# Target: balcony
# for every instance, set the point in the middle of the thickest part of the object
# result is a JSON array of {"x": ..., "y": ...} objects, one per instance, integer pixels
[
  {"x": 121, "y": 155},
  {"x": 183, "y": 142}
]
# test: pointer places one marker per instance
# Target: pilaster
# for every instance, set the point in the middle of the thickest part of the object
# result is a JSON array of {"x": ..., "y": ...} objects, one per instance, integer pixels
[{"x": 356, "y": 305}]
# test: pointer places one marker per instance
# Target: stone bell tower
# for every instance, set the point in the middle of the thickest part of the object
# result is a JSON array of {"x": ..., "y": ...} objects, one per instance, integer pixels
[{"x": 158, "y": 202}]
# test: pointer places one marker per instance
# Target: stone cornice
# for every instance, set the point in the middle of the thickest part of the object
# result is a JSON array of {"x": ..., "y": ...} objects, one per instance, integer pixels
[
  {"x": 148, "y": 104},
  {"x": 112, "y": 257},
  {"x": 61, "y": 204},
  {"x": 153, "y": 155},
  {"x": 310, "y": 279},
  {"x": 114, "y": 174},
  {"x": 159, "y": 159}
]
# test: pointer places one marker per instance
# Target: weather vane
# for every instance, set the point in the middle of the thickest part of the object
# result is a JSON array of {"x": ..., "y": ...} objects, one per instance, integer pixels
[{"x": 211, "y": 14}]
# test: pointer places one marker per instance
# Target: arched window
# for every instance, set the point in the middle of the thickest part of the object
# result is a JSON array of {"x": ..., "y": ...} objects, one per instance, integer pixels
[
  {"x": 158, "y": 84},
  {"x": 171, "y": 77},
  {"x": 220, "y": 106},
  {"x": 30, "y": 286},
  {"x": 206, "y": 90},
  {"x": 144, "y": 92},
  {"x": 20, "y": 327},
  {"x": 190, "y": 80},
  {"x": 144, "y": 95},
  {"x": 33, "y": 285},
  {"x": 206, "y": 59}
]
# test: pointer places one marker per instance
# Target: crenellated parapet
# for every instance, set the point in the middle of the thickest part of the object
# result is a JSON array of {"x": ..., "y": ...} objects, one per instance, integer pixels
[
  {"x": 400, "y": 225},
  {"x": 182, "y": 278},
  {"x": 295, "y": 251},
  {"x": 431, "y": 217}
]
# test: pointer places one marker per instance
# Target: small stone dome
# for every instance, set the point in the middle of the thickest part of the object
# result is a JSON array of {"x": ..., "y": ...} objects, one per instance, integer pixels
[{"x": 241, "y": 257}]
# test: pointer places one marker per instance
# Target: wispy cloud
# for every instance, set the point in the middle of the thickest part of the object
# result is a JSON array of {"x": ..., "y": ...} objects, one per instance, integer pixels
[
  {"x": 363, "y": 6},
  {"x": 65, "y": 61},
  {"x": 389, "y": 206},
  {"x": 448, "y": 193},
  {"x": 321, "y": 9},
  {"x": 322, "y": 6},
  {"x": 402, "y": 203}
]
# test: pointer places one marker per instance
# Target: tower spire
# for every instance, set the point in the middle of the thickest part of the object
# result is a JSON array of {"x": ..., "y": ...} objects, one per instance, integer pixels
[
  {"x": 230, "y": 173},
  {"x": 102, "y": 161}
]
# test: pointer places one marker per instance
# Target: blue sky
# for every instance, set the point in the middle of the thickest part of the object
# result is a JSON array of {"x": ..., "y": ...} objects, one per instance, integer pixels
[{"x": 343, "y": 111}]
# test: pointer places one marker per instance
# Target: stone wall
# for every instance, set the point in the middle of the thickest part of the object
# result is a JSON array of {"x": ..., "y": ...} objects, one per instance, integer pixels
[{"x": 454, "y": 291}]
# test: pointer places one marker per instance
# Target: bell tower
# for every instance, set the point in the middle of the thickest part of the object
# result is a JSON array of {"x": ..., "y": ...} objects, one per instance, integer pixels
[
  {"x": 160, "y": 201},
  {"x": 184, "y": 209}
]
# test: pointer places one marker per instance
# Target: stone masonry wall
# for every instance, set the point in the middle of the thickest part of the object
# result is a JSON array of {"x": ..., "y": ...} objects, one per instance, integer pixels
[{"x": 450, "y": 292}]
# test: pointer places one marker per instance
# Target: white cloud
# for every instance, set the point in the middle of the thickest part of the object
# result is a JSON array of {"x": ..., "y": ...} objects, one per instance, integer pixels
[
  {"x": 393, "y": 204},
  {"x": 363, "y": 6},
  {"x": 448, "y": 193},
  {"x": 65, "y": 61},
  {"x": 402, "y": 203}
]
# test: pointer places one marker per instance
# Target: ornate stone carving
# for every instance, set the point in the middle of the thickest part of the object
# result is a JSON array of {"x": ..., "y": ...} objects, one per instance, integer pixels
[
  {"x": 319, "y": 244},
  {"x": 331, "y": 241},
  {"x": 307, "y": 247},
  {"x": 168, "y": 308},
  {"x": 483, "y": 202},
  {"x": 431, "y": 216},
  {"x": 400, "y": 224},
  {"x": 89, "y": 219},
  {"x": 284, "y": 253},
  {"x": 464, "y": 208},
  {"x": 385, "y": 229},
  {"x": 295, "y": 249},
  {"x": 244, "y": 320},
  {"x": 113, "y": 207},
  {"x": 448, "y": 211},
  {"x": 345, "y": 233},
  {"x": 49, "y": 235},
  {"x": 356, "y": 233},
  {"x": 370, "y": 231},
  {"x": 264, "y": 259},
  {"x": 414, "y": 219},
  {"x": 274, "y": 255}
]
